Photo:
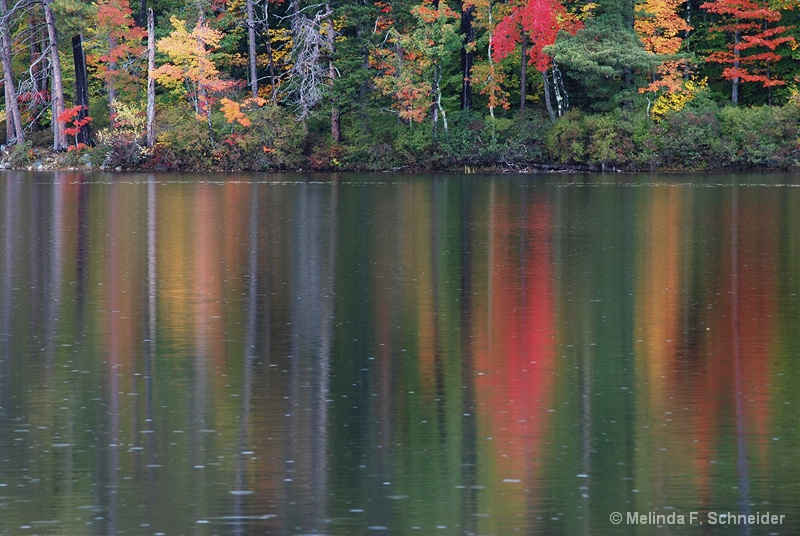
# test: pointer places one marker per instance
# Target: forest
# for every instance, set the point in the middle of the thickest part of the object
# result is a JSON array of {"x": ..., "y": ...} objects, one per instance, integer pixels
[{"x": 403, "y": 85}]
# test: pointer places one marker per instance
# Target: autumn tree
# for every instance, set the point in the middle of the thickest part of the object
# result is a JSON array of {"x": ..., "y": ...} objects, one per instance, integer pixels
[
  {"x": 485, "y": 74},
  {"x": 414, "y": 63},
  {"x": 661, "y": 28},
  {"x": 191, "y": 70},
  {"x": 534, "y": 25},
  {"x": 119, "y": 62},
  {"x": 754, "y": 38}
]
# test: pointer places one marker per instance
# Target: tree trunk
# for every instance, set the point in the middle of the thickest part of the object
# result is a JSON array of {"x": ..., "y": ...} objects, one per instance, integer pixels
[
  {"x": 491, "y": 65},
  {"x": 111, "y": 90},
  {"x": 141, "y": 16},
  {"x": 523, "y": 74},
  {"x": 467, "y": 56},
  {"x": 35, "y": 69},
  {"x": 548, "y": 102},
  {"x": 57, "y": 84},
  {"x": 562, "y": 99},
  {"x": 271, "y": 67},
  {"x": 14, "y": 133},
  {"x": 294, "y": 7},
  {"x": 151, "y": 83},
  {"x": 336, "y": 130},
  {"x": 251, "y": 48},
  {"x": 81, "y": 86}
]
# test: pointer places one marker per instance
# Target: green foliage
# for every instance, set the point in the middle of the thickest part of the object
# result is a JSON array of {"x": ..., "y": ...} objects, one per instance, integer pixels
[
  {"x": 692, "y": 138},
  {"x": 274, "y": 141},
  {"x": 605, "y": 141},
  {"x": 603, "y": 58},
  {"x": 21, "y": 154},
  {"x": 182, "y": 142},
  {"x": 397, "y": 62},
  {"x": 760, "y": 137}
]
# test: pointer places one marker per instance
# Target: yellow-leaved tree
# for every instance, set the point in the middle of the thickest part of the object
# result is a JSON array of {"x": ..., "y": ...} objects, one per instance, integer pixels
[{"x": 191, "y": 69}]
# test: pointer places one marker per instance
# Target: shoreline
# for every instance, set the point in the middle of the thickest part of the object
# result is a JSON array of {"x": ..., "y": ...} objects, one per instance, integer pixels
[{"x": 48, "y": 160}]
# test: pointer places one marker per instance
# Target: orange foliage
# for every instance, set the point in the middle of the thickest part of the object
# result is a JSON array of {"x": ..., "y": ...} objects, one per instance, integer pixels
[
  {"x": 660, "y": 27},
  {"x": 124, "y": 38}
]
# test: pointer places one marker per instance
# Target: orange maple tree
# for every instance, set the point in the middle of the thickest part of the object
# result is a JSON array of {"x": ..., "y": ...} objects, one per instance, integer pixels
[{"x": 661, "y": 28}]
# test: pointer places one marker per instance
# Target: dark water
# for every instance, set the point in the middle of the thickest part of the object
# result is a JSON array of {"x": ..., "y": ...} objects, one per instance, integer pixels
[{"x": 280, "y": 354}]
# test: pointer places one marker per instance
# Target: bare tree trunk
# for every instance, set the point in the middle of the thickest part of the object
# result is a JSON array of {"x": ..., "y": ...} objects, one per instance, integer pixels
[
  {"x": 491, "y": 64},
  {"x": 467, "y": 56},
  {"x": 251, "y": 46},
  {"x": 35, "y": 69},
  {"x": 274, "y": 94},
  {"x": 151, "y": 83},
  {"x": 548, "y": 102},
  {"x": 14, "y": 133},
  {"x": 111, "y": 90},
  {"x": 294, "y": 7},
  {"x": 336, "y": 129},
  {"x": 81, "y": 87},
  {"x": 59, "y": 138}
]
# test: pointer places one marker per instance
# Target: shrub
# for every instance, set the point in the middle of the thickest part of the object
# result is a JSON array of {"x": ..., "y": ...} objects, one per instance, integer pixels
[
  {"x": 182, "y": 141},
  {"x": 273, "y": 141},
  {"x": 759, "y": 136},
  {"x": 21, "y": 154},
  {"x": 602, "y": 140},
  {"x": 566, "y": 142},
  {"x": 692, "y": 138}
]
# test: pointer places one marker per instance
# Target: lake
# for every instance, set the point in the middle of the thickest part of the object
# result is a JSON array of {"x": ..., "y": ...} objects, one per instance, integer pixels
[{"x": 388, "y": 354}]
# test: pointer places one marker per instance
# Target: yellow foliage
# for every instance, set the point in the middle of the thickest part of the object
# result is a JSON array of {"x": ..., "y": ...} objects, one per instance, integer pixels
[
  {"x": 677, "y": 101},
  {"x": 587, "y": 11}
]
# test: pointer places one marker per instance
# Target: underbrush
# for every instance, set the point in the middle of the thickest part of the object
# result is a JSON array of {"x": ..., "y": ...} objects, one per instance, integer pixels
[{"x": 701, "y": 136}]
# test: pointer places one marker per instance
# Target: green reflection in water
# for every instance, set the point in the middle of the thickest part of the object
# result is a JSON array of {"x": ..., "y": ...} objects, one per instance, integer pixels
[{"x": 341, "y": 355}]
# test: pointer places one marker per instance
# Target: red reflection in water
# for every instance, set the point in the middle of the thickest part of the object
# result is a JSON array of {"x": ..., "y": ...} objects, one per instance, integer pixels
[{"x": 515, "y": 355}]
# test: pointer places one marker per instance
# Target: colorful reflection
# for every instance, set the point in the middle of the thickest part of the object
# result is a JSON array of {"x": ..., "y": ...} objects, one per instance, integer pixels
[{"x": 452, "y": 355}]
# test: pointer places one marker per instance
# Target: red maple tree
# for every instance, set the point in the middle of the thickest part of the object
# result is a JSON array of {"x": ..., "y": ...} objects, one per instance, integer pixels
[
  {"x": 542, "y": 20},
  {"x": 78, "y": 120},
  {"x": 754, "y": 43}
]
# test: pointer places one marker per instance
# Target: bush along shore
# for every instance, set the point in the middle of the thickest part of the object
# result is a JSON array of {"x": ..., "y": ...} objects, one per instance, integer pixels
[{"x": 703, "y": 136}]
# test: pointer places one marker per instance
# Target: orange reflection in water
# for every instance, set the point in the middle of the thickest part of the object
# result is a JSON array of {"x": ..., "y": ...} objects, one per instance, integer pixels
[{"x": 704, "y": 330}]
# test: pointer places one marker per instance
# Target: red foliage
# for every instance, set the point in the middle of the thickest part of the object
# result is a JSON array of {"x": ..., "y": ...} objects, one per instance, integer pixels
[
  {"x": 748, "y": 20},
  {"x": 542, "y": 20},
  {"x": 73, "y": 116}
]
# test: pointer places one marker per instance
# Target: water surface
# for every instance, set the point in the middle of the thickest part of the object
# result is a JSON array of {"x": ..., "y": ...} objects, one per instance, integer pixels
[{"x": 387, "y": 354}]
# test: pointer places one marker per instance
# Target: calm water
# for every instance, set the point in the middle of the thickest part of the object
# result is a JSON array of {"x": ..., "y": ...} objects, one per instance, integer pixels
[{"x": 280, "y": 354}]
